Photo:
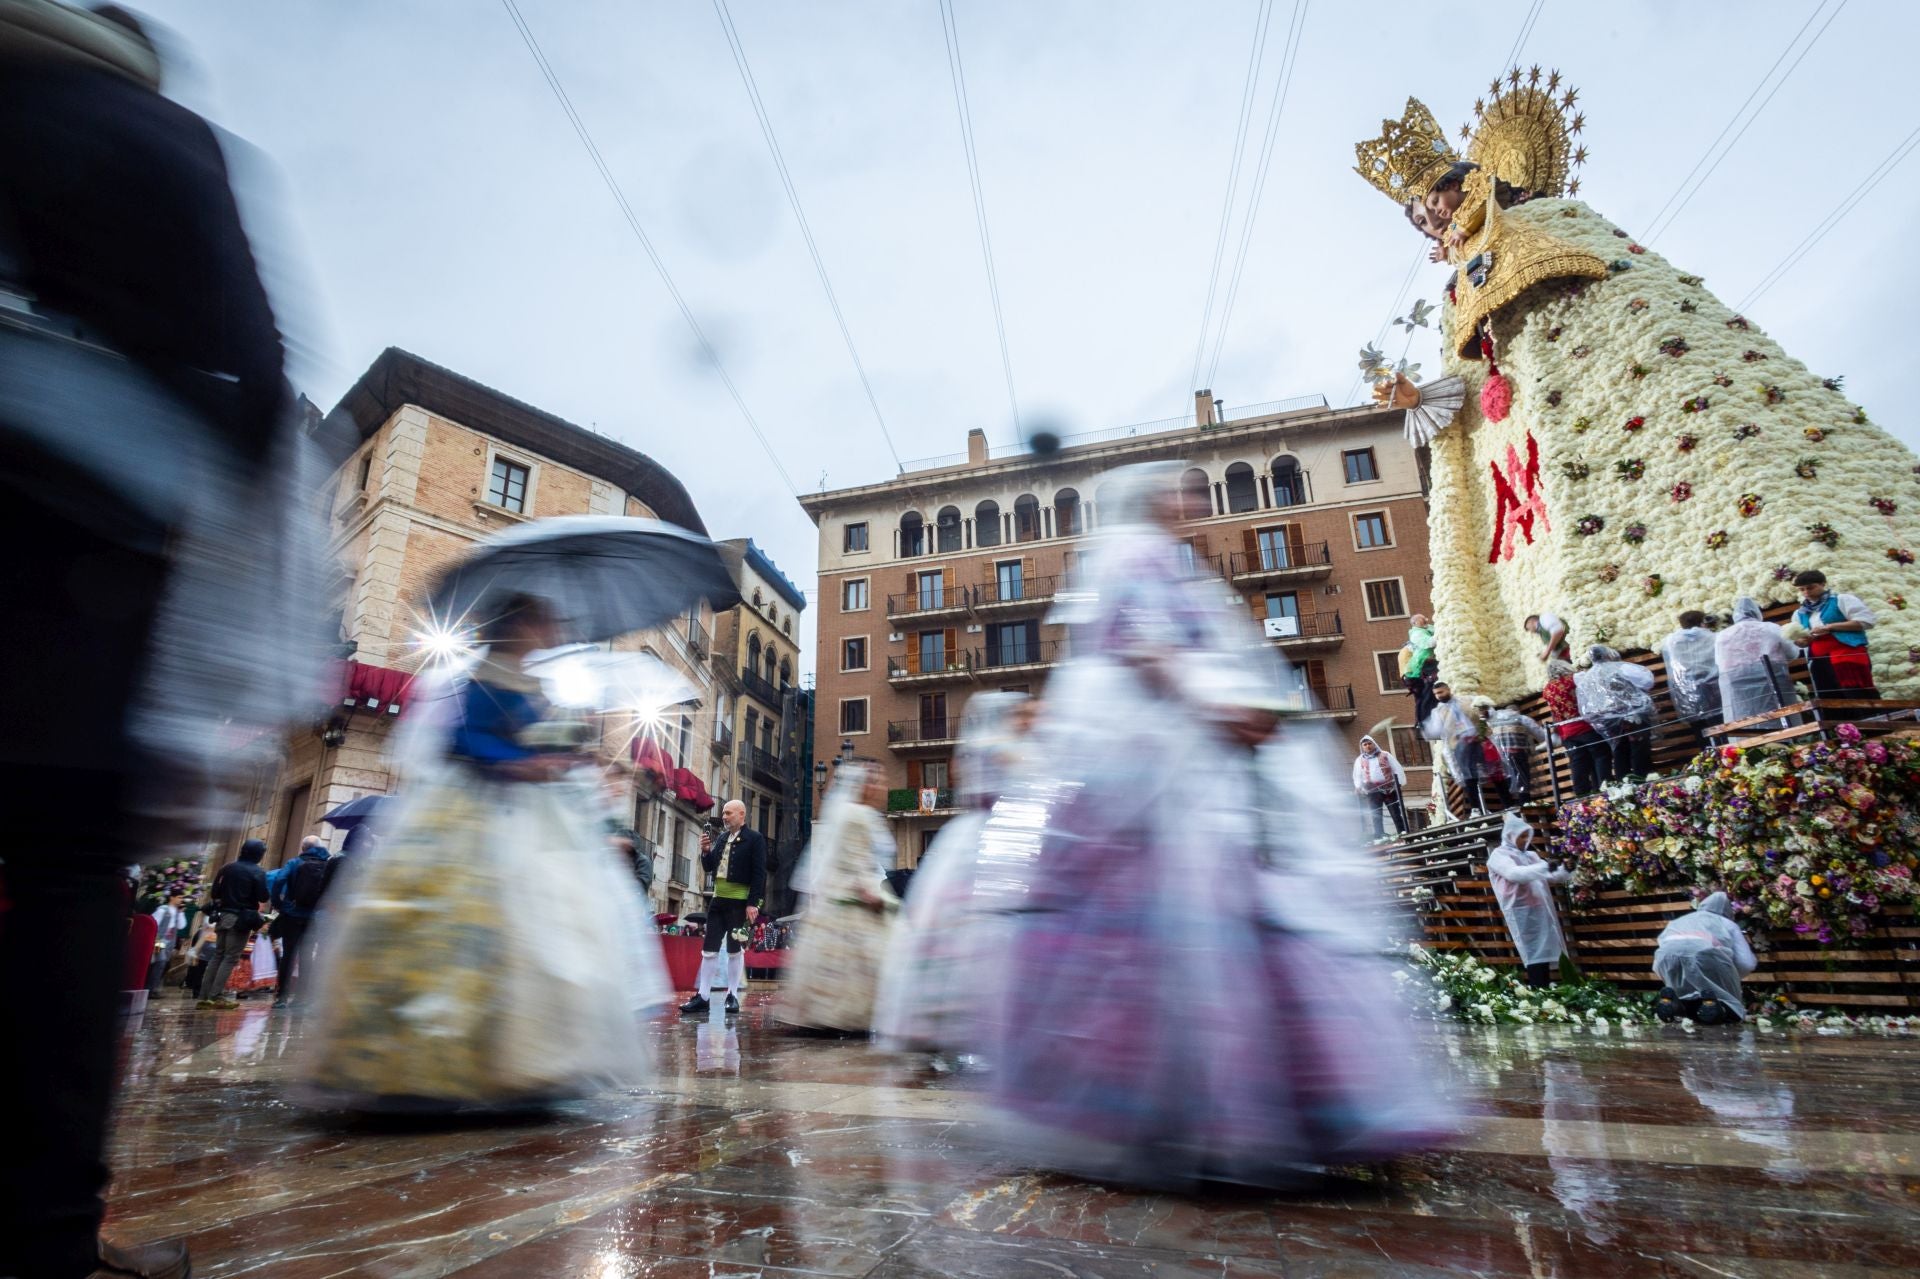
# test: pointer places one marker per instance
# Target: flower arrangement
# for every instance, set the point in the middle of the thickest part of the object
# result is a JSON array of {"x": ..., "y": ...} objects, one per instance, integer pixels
[
  {"x": 1899, "y": 555},
  {"x": 1806, "y": 468},
  {"x": 1816, "y": 838},
  {"x": 1698, "y": 404},
  {"x": 1588, "y": 525},
  {"x": 1692, "y": 279},
  {"x": 1753, "y": 357},
  {"x": 1633, "y": 423},
  {"x": 1687, "y": 443},
  {"x": 1688, "y": 306},
  {"x": 1859, "y": 417},
  {"x": 1717, "y": 539},
  {"x": 1553, "y": 399},
  {"x": 1674, "y": 346},
  {"x": 181, "y": 875},
  {"x": 1652, "y": 585},
  {"x": 1634, "y": 534},
  {"x": 1723, "y": 379},
  {"x": 1635, "y": 248},
  {"x": 1749, "y": 505},
  {"x": 1553, "y": 334},
  {"x": 1681, "y": 491},
  {"x": 1746, "y": 430},
  {"x": 1470, "y": 989},
  {"x": 1638, "y": 304},
  {"x": 1582, "y": 352},
  {"x": 1772, "y": 394},
  {"x": 1739, "y": 322},
  {"x": 1630, "y": 468},
  {"x": 1581, "y": 424},
  {"x": 1884, "y": 505},
  {"x": 1609, "y": 573},
  {"x": 1832, "y": 383},
  {"x": 1575, "y": 470},
  {"x": 1785, "y": 572},
  {"x": 1814, "y": 434},
  {"x": 1897, "y": 600},
  {"x": 1824, "y": 534},
  {"x": 1638, "y": 371}
]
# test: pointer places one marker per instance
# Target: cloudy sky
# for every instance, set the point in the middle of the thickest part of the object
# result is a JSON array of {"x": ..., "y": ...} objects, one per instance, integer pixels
[{"x": 429, "y": 193}]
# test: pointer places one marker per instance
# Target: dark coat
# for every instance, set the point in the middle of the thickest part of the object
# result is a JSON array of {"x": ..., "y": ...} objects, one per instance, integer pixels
[{"x": 747, "y": 862}]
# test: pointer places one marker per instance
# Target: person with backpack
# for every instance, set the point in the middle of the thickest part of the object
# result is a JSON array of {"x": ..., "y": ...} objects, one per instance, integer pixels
[
  {"x": 233, "y": 908},
  {"x": 297, "y": 889}
]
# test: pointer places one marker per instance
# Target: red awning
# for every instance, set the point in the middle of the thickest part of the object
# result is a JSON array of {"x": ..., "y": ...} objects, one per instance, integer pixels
[
  {"x": 650, "y": 757},
  {"x": 690, "y": 790},
  {"x": 375, "y": 688}
]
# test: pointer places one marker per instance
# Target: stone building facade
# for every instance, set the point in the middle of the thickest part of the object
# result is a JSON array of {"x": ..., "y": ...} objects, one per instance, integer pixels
[
  {"x": 444, "y": 461},
  {"x": 939, "y": 582}
]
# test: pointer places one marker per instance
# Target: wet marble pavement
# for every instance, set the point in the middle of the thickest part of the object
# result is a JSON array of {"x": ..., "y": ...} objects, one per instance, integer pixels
[{"x": 1724, "y": 1153}]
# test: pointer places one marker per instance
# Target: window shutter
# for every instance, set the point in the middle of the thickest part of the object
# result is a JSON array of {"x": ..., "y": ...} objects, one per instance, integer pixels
[
  {"x": 1259, "y": 601},
  {"x": 1296, "y": 543},
  {"x": 953, "y": 645},
  {"x": 913, "y": 774}
]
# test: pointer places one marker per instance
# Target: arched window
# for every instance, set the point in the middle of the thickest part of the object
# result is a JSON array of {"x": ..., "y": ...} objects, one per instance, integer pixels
[
  {"x": 787, "y": 626},
  {"x": 1066, "y": 513},
  {"x": 786, "y": 672},
  {"x": 769, "y": 661},
  {"x": 1026, "y": 518},
  {"x": 986, "y": 523},
  {"x": 753, "y": 652},
  {"x": 947, "y": 528},
  {"x": 1242, "y": 493},
  {"x": 913, "y": 534},
  {"x": 756, "y": 597},
  {"x": 1289, "y": 485},
  {"x": 1196, "y": 495}
]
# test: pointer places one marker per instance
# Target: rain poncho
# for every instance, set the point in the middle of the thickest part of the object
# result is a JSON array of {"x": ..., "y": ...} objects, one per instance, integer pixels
[
  {"x": 1173, "y": 1010},
  {"x": 1379, "y": 771},
  {"x": 1520, "y": 880},
  {"x": 495, "y": 951},
  {"x": 1703, "y": 955},
  {"x": 1513, "y": 731},
  {"x": 944, "y": 941},
  {"x": 834, "y": 975},
  {"x": 1613, "y": 692},
  {"x": 1748, "y": 685},
  {"x": 1693, "y": 674}
]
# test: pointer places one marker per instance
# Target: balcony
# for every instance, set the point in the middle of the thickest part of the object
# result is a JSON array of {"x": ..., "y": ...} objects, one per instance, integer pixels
[
  {"x": 722, "y": 737},
  {"x": 1309, "y": 631},
  {"x": 905, "y": 802},
  {"x": 762, "y": 766},
  {"x": 955, "y": 668},
  {"x": 759, "y": 686},
  {"x": 927, "y": 603},
  {"x": 697, "y": 639},
  {"x": 933, "y": 734},
  {"x": 1323, "y": 701},
  {"x": 1281, "y": 564},
  {"x": 1013, "y": 596},
  {"x": 1021, "y": 659}
]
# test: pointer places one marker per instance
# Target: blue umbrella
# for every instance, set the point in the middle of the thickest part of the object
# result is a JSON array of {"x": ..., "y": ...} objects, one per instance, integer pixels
[
  {"x": 365, "y": 809},
  {"x": 602, "y": 575}
]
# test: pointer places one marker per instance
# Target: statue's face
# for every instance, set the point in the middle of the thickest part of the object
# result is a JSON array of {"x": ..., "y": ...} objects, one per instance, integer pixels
[
  {"x": 1417, "y": 214},
  {"x": 1441, "y": 206}
]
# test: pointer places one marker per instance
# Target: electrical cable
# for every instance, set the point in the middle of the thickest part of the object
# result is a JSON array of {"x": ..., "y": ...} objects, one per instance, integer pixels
[
  {"x": 646, "y": 243},
  {"x": 799, "y": 214}
]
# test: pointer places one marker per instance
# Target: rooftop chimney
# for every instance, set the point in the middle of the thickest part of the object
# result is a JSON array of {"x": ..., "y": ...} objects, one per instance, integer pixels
[
  {"x": 976, "y": 447},
  {"x": 1206, "y": 409}
]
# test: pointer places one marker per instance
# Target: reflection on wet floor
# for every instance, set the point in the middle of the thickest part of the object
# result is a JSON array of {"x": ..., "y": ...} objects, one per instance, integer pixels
[{"x": 1719, "y": 1154}]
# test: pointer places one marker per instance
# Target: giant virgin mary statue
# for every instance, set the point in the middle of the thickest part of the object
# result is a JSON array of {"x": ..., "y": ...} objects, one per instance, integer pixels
[{"x": 1626, "y": 446}]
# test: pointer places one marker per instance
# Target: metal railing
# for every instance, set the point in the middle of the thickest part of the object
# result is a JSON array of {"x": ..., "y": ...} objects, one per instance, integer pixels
[
  {"x": 696, "y": 637},
  {"x": 1233, "y": 417},
  {"x": 957, "y": 662},
  {"x": 905, "y": 799},
  {"x": 1312, "y": 626},
  {"x": 922, "y": 600},
  {"x": 916, "y": 732},
  {"x": 758, "y": 685},
  {"x": 1022, "y": 590},
  {"x": 1328, "y": 697},
  {"x": 1023, "y": 653},
  {"x": 683, "y": 870},
  {"x": 1284, "y": 558},
  {"x": 763, "y": 765},
  {"x": 722, "y": 737}
]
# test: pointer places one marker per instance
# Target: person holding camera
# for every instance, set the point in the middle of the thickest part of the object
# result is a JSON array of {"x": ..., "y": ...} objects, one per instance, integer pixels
[
  {"x": 234, "y": 904},
  {"x": 737, "y": 860}
]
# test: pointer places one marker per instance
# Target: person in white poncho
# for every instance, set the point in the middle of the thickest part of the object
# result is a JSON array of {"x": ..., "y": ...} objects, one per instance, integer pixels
[
  {"x": 1522, "y": 882},
  {"x": 1377, "y": 780},
  {"x": 1752, "y": 655},
  {"x": 1700, "y": 959}
]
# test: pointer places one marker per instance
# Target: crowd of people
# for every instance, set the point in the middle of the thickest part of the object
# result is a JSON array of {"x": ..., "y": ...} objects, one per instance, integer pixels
[{"x": 1603, "y": 712}]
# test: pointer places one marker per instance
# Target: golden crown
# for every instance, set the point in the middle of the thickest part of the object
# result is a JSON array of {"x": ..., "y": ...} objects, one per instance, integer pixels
[
  {"x": 1525, "y": 135},
  {"x": 1409, "y": 155}
]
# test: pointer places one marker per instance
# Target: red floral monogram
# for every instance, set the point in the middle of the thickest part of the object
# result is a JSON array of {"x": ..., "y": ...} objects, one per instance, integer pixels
[{"x": 1518, "y": 501}]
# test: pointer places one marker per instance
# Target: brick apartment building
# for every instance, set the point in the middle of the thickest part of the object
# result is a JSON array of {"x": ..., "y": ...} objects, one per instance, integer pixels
[
  {"x": 939, "y": 582},
  {"x": 444, "y": 461}
]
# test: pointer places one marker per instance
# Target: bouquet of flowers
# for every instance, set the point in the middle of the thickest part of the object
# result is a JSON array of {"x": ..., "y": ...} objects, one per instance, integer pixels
[{"x": 181, "y": 875}]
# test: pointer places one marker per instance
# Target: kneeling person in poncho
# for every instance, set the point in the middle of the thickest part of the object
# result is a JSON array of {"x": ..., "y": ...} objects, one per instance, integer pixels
[{"x": 1700, "y": 959}]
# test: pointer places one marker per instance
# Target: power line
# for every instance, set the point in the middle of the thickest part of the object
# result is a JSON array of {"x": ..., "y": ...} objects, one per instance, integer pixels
[
  {"x": 1663, "y": 227},
  {"x": 1289, "y": 58},
  {"x": 1406, "y": 283},
  {"x": 800, "y": 216},
  {"x": 1879, "y": 174},
  {"x": 1525, "y": 34},
  {"x": 639, "y": 232},
  {"x": 1255, "y": 55},
  {"x": 956, "y": 69}
]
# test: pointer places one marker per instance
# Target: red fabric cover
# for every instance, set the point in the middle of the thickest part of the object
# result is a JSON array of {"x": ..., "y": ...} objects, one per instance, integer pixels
[
  {"x": 650, "y": 757},
  {"x": 141, "y": 933},
  {"x": 385, "y": 686}
]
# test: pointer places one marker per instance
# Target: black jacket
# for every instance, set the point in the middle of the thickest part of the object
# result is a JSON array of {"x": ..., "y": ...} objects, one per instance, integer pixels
[{"x": 747, "y": 863}]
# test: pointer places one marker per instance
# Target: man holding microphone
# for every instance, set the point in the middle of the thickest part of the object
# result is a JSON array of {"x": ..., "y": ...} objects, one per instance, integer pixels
[{"x": 738, "y": 864}]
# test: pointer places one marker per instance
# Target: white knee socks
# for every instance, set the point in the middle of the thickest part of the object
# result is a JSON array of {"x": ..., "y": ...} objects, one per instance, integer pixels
[{"x": 736, "y": 972}]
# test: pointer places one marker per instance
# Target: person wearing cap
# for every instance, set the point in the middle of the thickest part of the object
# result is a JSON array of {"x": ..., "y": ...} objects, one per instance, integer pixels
[{"x": 1837, "y": 627}]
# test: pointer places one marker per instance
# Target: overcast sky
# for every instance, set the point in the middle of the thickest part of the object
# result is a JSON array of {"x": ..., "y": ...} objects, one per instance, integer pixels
[{"x": 431, "y": 195}]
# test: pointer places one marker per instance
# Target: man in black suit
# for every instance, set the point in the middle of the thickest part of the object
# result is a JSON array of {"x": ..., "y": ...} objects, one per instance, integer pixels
[{"x": 738, "y": 864}]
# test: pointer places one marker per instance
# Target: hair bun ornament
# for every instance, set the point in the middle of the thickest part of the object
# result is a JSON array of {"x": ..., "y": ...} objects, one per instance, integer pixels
[{"x": 1496, "y": 397}]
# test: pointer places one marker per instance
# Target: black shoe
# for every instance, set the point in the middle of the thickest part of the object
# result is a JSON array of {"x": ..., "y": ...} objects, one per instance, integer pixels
[
  {"x": 733, "y": 1005},
  {"x": 1667, "y": 1007},
  {"x": 698, "y": 1004},
  {"x": 280, "y": 1003}
]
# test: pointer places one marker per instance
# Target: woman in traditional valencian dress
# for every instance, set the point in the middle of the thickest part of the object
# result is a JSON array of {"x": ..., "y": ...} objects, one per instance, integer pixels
[
  {"x": 1193, "y": 991},
  {"x": 834, "y": 975},
  {"x": 944, "y": 940},
  {"x": 1626, "y": 444},
  {"x": 495, "y": 953}
]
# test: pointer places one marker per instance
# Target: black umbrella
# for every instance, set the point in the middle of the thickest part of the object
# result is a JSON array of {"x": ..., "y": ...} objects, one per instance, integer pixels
[
  {"x": 602, "y": 575},
  {"x": 350, "y": 814}
]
